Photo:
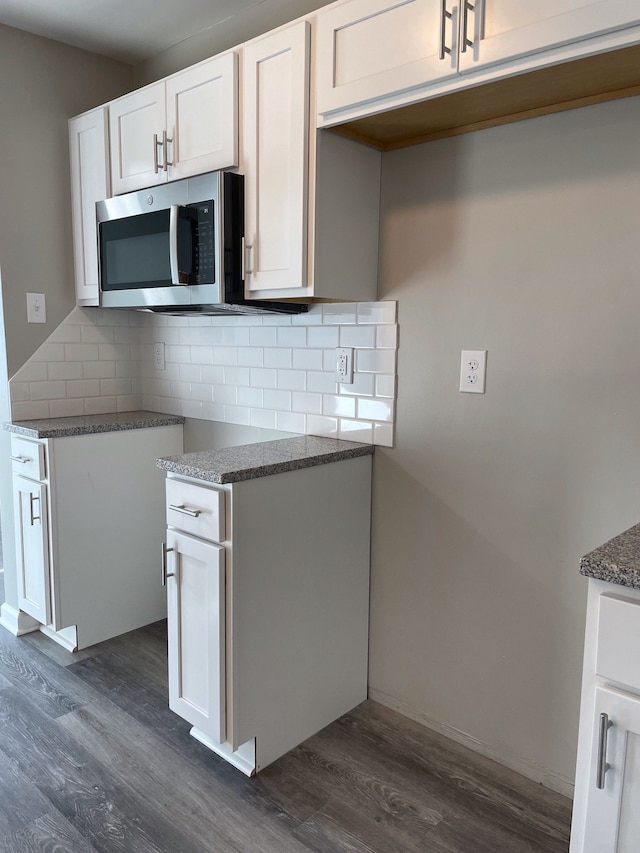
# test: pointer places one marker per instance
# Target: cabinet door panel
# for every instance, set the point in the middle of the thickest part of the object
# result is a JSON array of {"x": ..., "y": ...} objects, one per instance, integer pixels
[
  {"x": 613, "y": 819},
  {"x": 202, "y": 117},
  {"x": 90, "y": 182},
  {"x": 32, "y": 548},
  {"x": 196, "y": 628},
  {"x": 506, "y": 29},
  {"x": 408, "y": 36},
  {"x": 275, "y": 159},
  {"x": 133, "y": 121}
]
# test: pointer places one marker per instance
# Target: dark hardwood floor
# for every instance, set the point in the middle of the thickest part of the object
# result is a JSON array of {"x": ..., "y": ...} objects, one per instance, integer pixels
[{"x": 91, "y": 759}]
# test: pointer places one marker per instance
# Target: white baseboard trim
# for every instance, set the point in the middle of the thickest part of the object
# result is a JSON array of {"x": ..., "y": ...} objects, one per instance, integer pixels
[
  {"x": 66, "y": 638},
  {"x": 549, "y": 778},
  {"x": 17, "y": 622},
  {"x": 245, "y": 762}
]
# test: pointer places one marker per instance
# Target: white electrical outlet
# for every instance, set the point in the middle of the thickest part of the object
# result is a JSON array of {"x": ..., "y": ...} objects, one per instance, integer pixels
[
  {"x": 36, "y": 308},
  {"x": 344, "y": 365},
  {"x": 158, "y": 357},
  {"x": 473, "y": 370}
]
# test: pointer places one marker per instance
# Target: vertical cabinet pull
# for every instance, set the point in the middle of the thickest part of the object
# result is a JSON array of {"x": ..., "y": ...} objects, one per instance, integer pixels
[
  {"x": 156, "y": 144},
  {"x": 602, "y": 766},
  {"x": 165, "y": 152},
  {"x": 165, "y": 573},
  {"x": 248, "y": 265},
  {"x": 32, "y": 499},
  {"x": 445, "y": 15},
  {"x": 466, "y": 41}
]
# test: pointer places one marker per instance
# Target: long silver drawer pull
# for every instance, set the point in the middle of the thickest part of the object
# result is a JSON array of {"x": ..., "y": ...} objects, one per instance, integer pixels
[
  {"x": 156, "y": 166},
  {"x": 444, "y": 15},
  {"x": 194, "y": 513},
  {"x": 602, "y": 766},
  {"x": 22, "y": 459},
  {"x": 33, "y": 498},
  {"x": 165, "y": 573}
]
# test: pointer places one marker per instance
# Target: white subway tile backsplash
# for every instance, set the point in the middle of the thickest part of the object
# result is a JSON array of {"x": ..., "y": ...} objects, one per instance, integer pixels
[
  {"x": 65, "y": 369},
  {"x": 303, "y": 402},
  {"x": 292, "y": 336},
  {"x": 357, "y": 336},
  {"x": 292, "y": 380},
  {"x": 67, "y": 408},
  {"x": 277, "y": 357},
  {"x": 377, "y": 312},
  {"x": 320, "y": 425},
  {"x": 48, "y": 390},
  {"x": 290, "y": 422},
  {"x": 356, "y": 430},
  {"x": 375, "y": 410},
  {"x": 274, "y": 371}
]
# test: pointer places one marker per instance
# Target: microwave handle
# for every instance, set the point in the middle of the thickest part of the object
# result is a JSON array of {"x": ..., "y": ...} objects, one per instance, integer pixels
[{"x": 173, "y": 244}]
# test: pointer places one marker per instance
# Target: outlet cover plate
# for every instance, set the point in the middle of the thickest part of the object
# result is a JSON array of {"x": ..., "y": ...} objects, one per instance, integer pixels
[{"x": 473, "y": 371}]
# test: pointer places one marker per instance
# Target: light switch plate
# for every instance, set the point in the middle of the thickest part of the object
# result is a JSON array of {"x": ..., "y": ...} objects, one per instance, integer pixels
[
  {"x": 473, "y": 370},
  {"x": 36, "y": 308}
]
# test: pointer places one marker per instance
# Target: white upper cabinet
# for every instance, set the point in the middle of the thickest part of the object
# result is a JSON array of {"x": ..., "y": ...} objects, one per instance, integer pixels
[
  {"x": 182, "y": 126},
  {"x": 275, "y": 126},
  {"x": 373, "y": 55},
  {"x": 367, "y": 49},
  {"x": 502, "y": 30},
  {"x": 89, "y": 150}
]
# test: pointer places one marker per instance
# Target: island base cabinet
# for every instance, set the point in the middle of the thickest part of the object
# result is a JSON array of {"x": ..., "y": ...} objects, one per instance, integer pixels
[
  {"x": 612, "y": 815},
  {"x": 196, "y": 632}
]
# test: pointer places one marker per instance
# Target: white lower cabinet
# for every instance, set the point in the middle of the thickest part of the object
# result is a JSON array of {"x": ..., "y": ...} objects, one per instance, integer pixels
[
  {"x": 88, "y": 518},
  {"x": 268, "y": 627},
  {"x": 196, "y": 627},
  {"x": 606, "y": 818}
]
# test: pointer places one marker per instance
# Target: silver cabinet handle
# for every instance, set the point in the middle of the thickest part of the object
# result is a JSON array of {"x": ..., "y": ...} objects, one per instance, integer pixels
[
  {"x": 32, "y": 499},
  {"x": 444, "y": 15},
  {"x": 248, "y": 249},
  {"x": 165, "y": 573},
  {"x": 22, "y": 459},
  {"x": 156, "y": 167},
  {"x": 602, "y": 766},
  {"x": 165, "y": 154},
  {"x": 466, "y": 41},
  {"x": 194, "y": 513}
]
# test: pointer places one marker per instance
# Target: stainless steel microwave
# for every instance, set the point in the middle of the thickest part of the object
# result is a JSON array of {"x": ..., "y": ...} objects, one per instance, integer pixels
[{"x": 178, "y": 249}]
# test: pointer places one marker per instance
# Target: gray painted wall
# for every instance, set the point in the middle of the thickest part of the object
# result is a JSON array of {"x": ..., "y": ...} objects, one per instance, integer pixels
[
  {"x": 42, "y": 84},
  {"x": 522, "y": 240}
]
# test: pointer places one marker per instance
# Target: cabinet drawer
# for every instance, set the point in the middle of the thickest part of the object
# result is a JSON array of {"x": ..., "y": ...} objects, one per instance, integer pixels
[
  {"x": 28, "y": 458},
  {"x": 196, "y": 509},
  {"x": 618, "y": 645}
]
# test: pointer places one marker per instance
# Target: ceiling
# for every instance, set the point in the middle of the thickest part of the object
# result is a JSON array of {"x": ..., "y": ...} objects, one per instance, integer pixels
[{"x": 128, "y": 30}]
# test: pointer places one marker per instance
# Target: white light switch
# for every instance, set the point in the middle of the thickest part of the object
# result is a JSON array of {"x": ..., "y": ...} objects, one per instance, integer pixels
[
  {"x": 36, "y": 308},
  {"x": 473, "y": 369}
]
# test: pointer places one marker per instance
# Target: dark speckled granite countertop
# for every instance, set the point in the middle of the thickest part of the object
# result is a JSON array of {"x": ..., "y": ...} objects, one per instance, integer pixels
[
  {"x": 88, "y": 424},
  {"x": 617, "y": 561},
  {"x": 249, "y": 461}
]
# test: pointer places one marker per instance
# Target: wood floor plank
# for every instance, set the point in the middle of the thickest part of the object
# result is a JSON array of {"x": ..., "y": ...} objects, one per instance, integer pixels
[
  {"x": 114, "y": 821},
  {"x": 55, "y": 651},
  {"x": 140, "y": 760},
  {"x": 20, "y": 801},
  {"x": 50, "y": 833}
]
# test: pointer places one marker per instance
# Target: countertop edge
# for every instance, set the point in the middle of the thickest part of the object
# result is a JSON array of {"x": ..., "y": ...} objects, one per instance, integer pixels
[
  {"x": 55, "y": 428},
  {"x": 616, "y": 561}
]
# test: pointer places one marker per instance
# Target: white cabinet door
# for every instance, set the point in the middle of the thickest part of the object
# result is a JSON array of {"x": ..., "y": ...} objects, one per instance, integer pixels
[
  {"x": 90, "y": 182},
  {"x": 196, "y": 629},
  {"x": 501, "y": 30},
  {"x": 32, "y": 548},
  {"x": 275, "y": 161},
  {"x": 137, "y": 157},
  {"x": 369, "y": 49},
  {"x": 202, "y": 117},
  {"x": 613, "y": 817}
]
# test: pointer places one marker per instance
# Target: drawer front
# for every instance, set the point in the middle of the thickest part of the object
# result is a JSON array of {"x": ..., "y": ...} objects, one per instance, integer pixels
[
  {"x": 196, "y": 509},
  {"x": 618, "y": 645},
  {"x": 28, "y": 458}
]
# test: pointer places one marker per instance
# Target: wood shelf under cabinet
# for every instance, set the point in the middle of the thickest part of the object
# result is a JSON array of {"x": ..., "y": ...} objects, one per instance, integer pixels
[{"x": 582, "y": 82}]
